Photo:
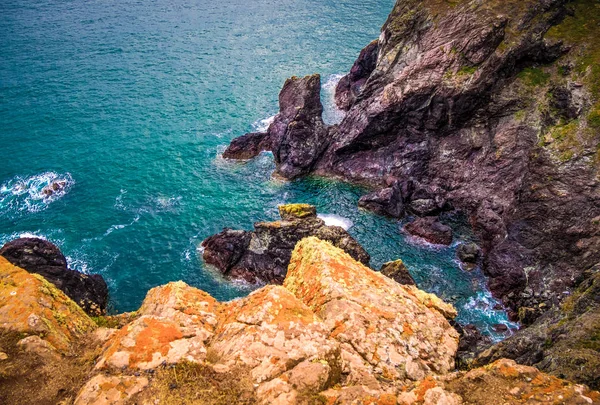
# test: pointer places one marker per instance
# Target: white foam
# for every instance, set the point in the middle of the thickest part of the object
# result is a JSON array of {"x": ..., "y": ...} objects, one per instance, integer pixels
[
  {"x": 336, "y": 220},
  {"x": 331, "y": 114},
  {"x": 28, "y": 193},
  {"x": 263, "y": 124}
]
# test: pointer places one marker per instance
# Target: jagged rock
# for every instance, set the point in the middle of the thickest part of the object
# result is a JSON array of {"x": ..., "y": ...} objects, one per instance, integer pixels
[
  {"x": 264, "y": 254},
  {"x": 398, "y": 272},
  {"x": 387, "y": 201},
  {"x": 471, "y": 343},
  {"x": 564, "y": 341},
  {"x": 30, "y": 305},
  {"x": 247, "y": 146},
  {"x": 44, "y": 258},
  {"x": 503, "y": 382},
  {"x": 468, "y": 252},
  {"x": 381, "y": 324},
  {"x": 298, "y": 135},
  {"x": 349, "y": 86},
  {"x": 430, "y": 229}
]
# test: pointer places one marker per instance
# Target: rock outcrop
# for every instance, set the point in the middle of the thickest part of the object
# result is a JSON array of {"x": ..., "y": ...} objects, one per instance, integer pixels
[
  {"x": 39, "y": 256},
  {"x": 398, "y": 272},
  {"x": 336, "y": 332},
  {"x": 493, "y": 109},
  {"x": 350, "y": 86},
  {"x": 264, "y": 254},
  {"x": 297, "y": 136}
]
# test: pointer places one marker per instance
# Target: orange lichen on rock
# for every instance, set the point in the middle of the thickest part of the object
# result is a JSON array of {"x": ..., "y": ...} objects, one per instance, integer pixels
[
  {"x": 31, "y": 305},
  {"x": 390, "y": 326}
]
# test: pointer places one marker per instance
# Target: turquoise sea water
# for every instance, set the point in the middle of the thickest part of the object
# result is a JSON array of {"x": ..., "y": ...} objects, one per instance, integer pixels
[{"x": 131, "y": 102}]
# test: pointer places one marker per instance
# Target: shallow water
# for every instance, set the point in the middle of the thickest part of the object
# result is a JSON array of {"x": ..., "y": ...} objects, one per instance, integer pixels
[{"x": 131, "y": 103}]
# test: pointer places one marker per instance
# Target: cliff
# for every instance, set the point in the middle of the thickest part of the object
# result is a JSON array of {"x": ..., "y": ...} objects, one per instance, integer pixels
[
  {"x": 336, "y": 332},
  {"x": 487, "y": 109}
]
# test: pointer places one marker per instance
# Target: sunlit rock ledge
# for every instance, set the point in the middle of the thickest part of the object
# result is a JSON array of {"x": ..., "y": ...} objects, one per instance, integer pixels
[{"x": 336, "y": 332}]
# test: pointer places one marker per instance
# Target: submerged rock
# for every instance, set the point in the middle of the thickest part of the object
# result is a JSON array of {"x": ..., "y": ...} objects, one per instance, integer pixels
[
  {"x": 264, "y": 254},
  {"x": 44, "y": 258},
  {"x": 398, "y": 272},
  {"x": 349, "y": 86},
  {"x": 430, "y": 229}
]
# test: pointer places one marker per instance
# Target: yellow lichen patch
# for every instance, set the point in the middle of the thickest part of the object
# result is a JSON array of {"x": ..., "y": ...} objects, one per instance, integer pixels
[
  {"x": 31, "y": 305},
  {"x": 296, "y": 211}
]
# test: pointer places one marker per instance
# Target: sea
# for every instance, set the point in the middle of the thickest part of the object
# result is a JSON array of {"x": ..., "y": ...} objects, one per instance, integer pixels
[{"x": 131, "y": 103}]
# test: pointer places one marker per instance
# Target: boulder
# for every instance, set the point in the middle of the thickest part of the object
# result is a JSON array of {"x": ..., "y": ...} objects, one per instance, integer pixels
[
  {"x": 247, "y": 146},
  {"x": 387, "y": 201},
  {"x": 39, "y": 256},
  {"x": 30, "y": 305},
  {"x": 264, "y": 254},
  {"x": 349, "y": 86},
  {"x": 430, "y": 229},
  {"x": 468, "y": 252},
  {"x": 398, "y": 272}
]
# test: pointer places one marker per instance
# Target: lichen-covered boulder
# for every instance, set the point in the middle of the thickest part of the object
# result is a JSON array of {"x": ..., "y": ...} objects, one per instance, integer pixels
[
  {"x": 110, "y": 390},
  {"x": 399, "y": 332},
  {"x": 33, "y": 306},
  {"x": 176, "y": 321}
]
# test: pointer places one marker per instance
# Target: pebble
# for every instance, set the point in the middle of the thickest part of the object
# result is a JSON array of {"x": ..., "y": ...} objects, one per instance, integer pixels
[{"x": 3, "y": 356}]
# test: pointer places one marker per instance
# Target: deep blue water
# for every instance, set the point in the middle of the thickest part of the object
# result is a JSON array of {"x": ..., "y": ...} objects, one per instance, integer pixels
[{"x": 131, "y": 102}]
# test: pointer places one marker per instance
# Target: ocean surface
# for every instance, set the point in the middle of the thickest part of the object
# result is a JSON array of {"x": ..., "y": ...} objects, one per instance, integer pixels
[{"x": 131, "y": 103}]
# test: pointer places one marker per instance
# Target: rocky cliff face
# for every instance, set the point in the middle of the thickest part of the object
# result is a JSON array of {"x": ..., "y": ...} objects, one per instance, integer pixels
[
  {"x": 490, "y": 108},
  {"x": 336, "y": 332}
]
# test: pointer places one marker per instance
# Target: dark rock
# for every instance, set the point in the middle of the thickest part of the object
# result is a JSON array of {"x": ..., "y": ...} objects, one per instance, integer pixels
[
  {"x": 468, "y": 252},
  {"x": 500, "y": 327},
  {"x": 349, "y": 86},
  {"x": 387, "y": 201},
  {"x": 264, "y": 254},
  {"x": 398, "y": 272},
  {"x": 298, "y": 135},
  {"x": 247, "y": 146},
  {"x": 39, "y": 256},
  {"x": 564, "y": 341},
  {"x": 471, "y": 343},
  {"x": 430, "y": 229}
]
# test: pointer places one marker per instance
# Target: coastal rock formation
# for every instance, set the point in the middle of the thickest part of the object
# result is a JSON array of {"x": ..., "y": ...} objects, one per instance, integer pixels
[
  {"x": 39, "y": 256},
  {"x": 468, "y": 253},
  {"x": 297, "y": 136},
  {"x": 336, "y": 332},
  {"x": 565, "y": 341},
  {"x": 430, "y": 229},
  {"x": 349, "y": 86},
  {"x": 494, "y": 106},
  {"x": 264, "y": 254}
]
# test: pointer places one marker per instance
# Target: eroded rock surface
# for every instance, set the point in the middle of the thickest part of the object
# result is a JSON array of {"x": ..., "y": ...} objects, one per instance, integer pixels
[
  {"x": 44, "y": 258},
  {"x": 430, "y": 229},
  {"x": 264, "y": 254},
  {"x": 349, "y": 86}
]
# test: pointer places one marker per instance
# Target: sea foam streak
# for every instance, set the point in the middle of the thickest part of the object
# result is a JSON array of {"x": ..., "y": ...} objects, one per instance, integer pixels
[
  {"x": 336, "y": 220},
  {"x": 34, "y": 193},
  {"x": 263, "y": 125},
  {"x": 331, "y": 114}
]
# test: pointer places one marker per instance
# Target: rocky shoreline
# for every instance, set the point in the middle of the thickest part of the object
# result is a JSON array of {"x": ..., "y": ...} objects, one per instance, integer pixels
[{"x": 487, "y": 109}]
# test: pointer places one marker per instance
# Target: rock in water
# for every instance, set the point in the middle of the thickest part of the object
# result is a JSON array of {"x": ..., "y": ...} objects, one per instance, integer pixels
[
  {"x": 349, "y": 86},
  {"x": 387, "y": 201},
  {"x": 430, "y": 229},
  {"x": 264, "y": 254},
  {"x": 247, "y": 146},
  {"x": 398, "y": 272},
  {"x": 468, "y": 252},
  {"x": 44, "y": 258},
  {"x": 297, "y": 136}
]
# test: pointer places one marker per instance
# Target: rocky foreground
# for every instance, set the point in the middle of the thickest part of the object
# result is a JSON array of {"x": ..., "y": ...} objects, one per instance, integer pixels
[{"x": 336, "y": 332}]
